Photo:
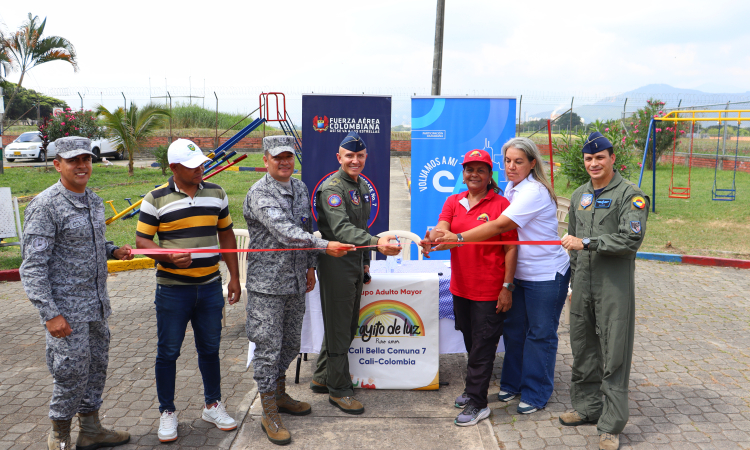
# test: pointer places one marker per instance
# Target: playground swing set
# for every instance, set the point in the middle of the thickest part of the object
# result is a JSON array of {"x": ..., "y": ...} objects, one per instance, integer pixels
[
  {"x": 222, "y": 154},
  {"x": 675, "y": 191}
]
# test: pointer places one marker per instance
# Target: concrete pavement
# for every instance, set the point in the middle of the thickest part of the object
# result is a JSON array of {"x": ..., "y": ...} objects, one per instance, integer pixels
[{"x": 689, "y": 389}]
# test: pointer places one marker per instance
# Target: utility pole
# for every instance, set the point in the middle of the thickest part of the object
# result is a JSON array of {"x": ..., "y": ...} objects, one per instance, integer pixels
[{"x": 437, "y": 59}]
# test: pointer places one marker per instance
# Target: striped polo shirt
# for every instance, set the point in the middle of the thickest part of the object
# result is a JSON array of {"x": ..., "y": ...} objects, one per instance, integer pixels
[{"x": 184, "y": 222}]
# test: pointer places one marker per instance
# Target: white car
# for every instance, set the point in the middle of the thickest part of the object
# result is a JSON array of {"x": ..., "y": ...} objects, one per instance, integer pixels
[
  {"x": 104, "y": 147},
  {"x": 29, "y": 145}
]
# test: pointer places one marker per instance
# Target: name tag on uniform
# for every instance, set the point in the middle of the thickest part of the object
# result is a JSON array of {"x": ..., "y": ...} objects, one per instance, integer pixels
[
  {"x": 78, "y": 221},
  {"x": 603, "y": 203}
]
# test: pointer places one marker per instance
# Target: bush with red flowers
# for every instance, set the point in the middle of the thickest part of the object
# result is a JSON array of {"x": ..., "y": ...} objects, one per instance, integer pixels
[
  {"x": 667, "y": 133},
  {"x": 70, "y": 123}
]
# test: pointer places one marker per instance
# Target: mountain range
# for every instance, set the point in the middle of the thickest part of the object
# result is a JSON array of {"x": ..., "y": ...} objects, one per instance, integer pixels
[{"x": 613, "y": 107}]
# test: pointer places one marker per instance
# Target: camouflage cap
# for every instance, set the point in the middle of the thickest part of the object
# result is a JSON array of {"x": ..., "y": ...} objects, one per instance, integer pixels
[
  {"x": 72, "y": 146},
  {"x": 276, "y": 145}
]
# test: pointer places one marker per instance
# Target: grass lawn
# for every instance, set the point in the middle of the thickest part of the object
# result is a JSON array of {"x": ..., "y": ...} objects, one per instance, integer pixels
[
  {"x": 113, "y": 183},
  {"x": 698, "y": 225}
]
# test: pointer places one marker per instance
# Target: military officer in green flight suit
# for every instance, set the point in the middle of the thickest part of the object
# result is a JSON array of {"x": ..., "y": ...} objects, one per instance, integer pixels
[
  {"x": 343, "y": 207},
  {"x": 606, "y": 227}
]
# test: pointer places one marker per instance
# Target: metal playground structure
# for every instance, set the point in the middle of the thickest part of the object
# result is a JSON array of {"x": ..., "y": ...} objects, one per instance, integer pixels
[
  {"x": 272, "y": 108},
  {"x": 722, "y": 117}
]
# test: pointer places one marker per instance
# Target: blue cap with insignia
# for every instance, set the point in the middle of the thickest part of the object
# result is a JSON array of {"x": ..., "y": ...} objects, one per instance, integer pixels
[
  {"x": 596, "y": 143},
  {"x": 353, "y": 143}
]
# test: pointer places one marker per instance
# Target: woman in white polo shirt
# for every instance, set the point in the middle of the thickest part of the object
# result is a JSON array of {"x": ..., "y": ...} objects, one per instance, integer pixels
[{"x": 541, "y": 279}]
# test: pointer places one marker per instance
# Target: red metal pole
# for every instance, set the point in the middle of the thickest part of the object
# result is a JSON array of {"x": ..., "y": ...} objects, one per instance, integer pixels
[
  {"x": 551, "y": 162},
  {"x": 225, "y": 167}
]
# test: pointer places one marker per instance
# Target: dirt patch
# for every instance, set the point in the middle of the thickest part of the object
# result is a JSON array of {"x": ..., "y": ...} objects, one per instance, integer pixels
[{"x": 727, "y": 225}]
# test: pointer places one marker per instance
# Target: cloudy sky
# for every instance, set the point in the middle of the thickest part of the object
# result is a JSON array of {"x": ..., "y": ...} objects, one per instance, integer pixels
[{"x": 540, "y": 48}]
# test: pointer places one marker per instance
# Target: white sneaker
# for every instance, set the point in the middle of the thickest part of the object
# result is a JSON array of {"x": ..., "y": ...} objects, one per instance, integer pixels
[
  {"x": 525, "y": 408},
  {"x": 168, "y": 426},
  {"x": 219, "y": 417}
]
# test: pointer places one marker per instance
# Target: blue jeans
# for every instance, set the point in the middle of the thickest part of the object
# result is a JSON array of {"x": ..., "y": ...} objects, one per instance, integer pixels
[
  {"x": 531, "y": 338},
  {"x": 176, "y": 305}
]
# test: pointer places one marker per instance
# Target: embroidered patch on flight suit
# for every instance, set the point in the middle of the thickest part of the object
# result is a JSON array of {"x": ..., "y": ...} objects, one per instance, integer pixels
[
  {"x": 587, "y": 200},
  {"x": 635, "y": 226},
  {"x": 354, "y": 195},
  {"x": 334, "y": 182},
  {"x": 367, "y": 198},
  {"x": 638, "y": 202},
  {"x": 334, "y": 200},
  {"x": 603, "y": 203},
  {"x": 484, "y": 217}
]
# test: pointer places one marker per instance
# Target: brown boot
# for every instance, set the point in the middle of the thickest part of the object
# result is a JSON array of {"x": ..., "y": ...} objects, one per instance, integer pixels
[
  {"x": 609, "y": 441},
  {"x": 318, "y": 388},
  {"x": 287, "y": 404},
  {"x": 347, "y": 404},
  {"x": 93, "y": 435},
  {"x": 270, "y": 421},
  {"x": 573, "y": 419},
  {"x": 59, "y": 435}
]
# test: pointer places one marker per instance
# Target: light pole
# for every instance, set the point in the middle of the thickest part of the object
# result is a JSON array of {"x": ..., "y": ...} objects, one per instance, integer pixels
[{"x": 437, "y": 61}]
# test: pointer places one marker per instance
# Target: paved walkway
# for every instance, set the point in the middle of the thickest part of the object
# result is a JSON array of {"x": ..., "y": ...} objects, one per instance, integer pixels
[
  {"x": 130, "y": 394},
  {"x": 689, "y": 389}
]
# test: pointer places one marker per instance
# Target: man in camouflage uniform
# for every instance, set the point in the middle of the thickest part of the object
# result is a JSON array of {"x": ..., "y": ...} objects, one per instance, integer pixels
[
  {"x": 277, "y": 211},
  {"x": 64, "y": 273},
  {"x": 343, "y": 206},
  {"x": 606, "y": 227}
]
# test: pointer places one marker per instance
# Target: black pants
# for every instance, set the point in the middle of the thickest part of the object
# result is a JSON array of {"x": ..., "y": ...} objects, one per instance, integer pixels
[{"x": 482, "y": 328}]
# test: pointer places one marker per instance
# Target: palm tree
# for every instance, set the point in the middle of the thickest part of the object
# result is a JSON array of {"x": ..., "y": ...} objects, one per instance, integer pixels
[
  {"x": 129, "y": 129},
  {"x": 26, "y": 48},
  {"x": 5, "y": 63}
]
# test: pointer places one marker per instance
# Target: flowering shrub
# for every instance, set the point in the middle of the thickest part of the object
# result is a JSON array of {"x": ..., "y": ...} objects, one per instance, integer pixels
[
  {"x": 568, "y": 152},
  {"x": 70, "y": 123},
  {"x": 665, "y": 131}
]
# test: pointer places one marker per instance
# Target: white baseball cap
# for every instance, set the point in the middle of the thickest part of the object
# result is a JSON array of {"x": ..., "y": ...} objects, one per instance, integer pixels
[{"x": 187, "y": 153}]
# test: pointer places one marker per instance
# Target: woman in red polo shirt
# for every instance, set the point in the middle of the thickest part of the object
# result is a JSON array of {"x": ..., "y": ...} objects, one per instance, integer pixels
[{"x": 480, "y": 275}]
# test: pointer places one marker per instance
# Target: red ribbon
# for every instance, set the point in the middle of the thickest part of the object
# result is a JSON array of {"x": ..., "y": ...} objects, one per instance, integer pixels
[{"x": 162, "y": 251}]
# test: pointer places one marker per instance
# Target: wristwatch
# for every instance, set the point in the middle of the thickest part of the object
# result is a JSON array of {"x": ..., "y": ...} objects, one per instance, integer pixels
[
  {"x": 459, "y": 237},
  {"x": 585, "y": 242},
  {"x": 509, "y": 286}
]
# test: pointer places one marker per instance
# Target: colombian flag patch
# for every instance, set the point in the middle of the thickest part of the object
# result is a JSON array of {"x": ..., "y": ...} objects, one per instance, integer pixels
[{"x": 639, "y": 202}]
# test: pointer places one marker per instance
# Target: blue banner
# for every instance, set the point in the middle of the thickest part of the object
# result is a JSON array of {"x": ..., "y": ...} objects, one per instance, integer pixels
[
  {"x": 326, "y": 120},
  {"x": 443, "y": 130}
]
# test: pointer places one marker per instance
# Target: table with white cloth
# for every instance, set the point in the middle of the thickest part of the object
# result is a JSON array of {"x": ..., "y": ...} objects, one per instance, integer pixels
[{"x": 451, "y": 340}]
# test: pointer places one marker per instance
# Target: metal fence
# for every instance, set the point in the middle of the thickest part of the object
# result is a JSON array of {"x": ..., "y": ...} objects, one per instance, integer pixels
[{"x": 531, "y": 106}]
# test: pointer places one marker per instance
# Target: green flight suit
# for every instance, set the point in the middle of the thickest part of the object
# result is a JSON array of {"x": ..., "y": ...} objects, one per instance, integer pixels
[
  {"x": 602, "y": 312},
  {"x": 343, "y": 207}
]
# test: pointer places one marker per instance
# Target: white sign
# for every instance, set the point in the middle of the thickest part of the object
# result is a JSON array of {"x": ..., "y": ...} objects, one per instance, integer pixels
[{"x": 396, "y": 345}]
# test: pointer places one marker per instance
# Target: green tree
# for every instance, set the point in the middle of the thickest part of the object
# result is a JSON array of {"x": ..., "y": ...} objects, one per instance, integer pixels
[
  {"x": 26, "y": 101},
  {"x": 667, "y": 133},
  {"x": 129, "y": 129},
  {"x": 566, "y": 121},
  {"x": 568, "y": 151},
  {"x": 26, "y": 49}
]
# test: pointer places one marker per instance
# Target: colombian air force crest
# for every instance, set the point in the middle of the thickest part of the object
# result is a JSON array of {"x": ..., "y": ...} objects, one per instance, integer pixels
[{"x": 320, "y": 123}]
